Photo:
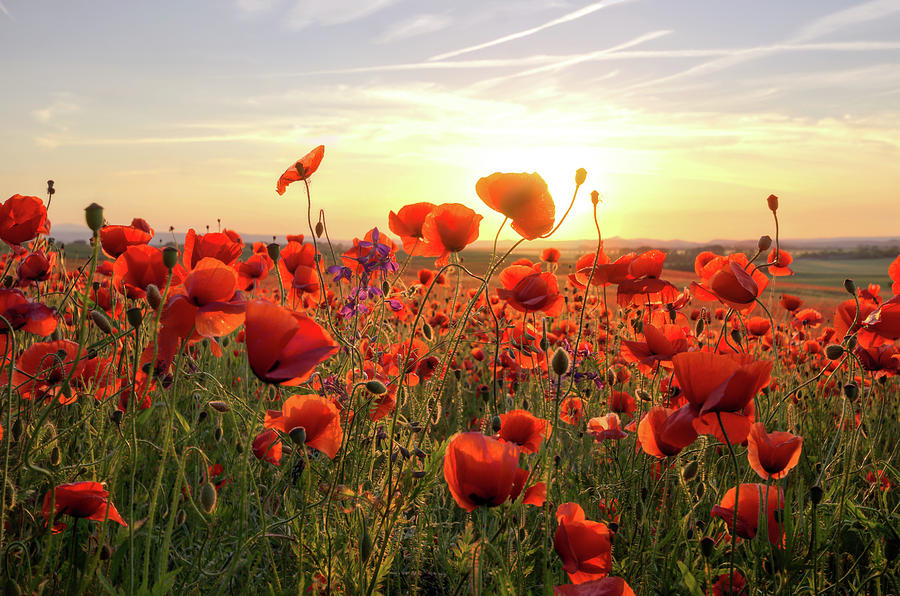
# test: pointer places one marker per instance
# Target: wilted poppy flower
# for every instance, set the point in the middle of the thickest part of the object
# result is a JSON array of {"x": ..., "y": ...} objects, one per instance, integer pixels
[
  {"x": 284, "y": 347},
  {"x": 81, "y": 499},
  {"x": 750, "y": 496},
  {"x": 523, "y": 198},
  {"x": 22, "y": 219},
  {"x": 225, "y": 246},
  {"x": 317, "y": 415},
  {"x": 20, "y": 312},
  {"x": 408, "y": 222},
  {"x": 608, "y": 586},
  {"x": 527, "y": 289},
  {"x": 779, "y": 263},
  {"x": 664, "y": 432},
  {"x": 267, "y": 447},
  {"x": 607, "y": 427},
  {"x": 305, "y": 167},
  {"x": 480, "y": 471},
  {"x": 138, "y": 267},
  {"x": 584, "y": 546},
  {"x": 116, "y": 239},
  {"x": 524, "y": 429},
  {"x": 449, "y": 228},
  {"x": 772, "y": 455}
]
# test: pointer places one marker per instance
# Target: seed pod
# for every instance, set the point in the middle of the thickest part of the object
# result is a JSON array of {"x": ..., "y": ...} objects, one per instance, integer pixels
[
  {"x": 850, "y": 286},
  {"x": 154, "y": 298},
  {"x": 560, "y": 362},
  {"x": 102, "y": 322},
  {"x": 208, "y": 497},
  {"x": 170, "y": 257},
  {"x": 298, "y": 436},
  {"x": 219, "y": 406},
  {"x": 93, "y": 215},
  {"x": 376, "y": 387},
  {"x": 496, "y": 423},
  {"x": 834, "y": 351},
  {"x": 365, "y": 545},
  {"x": 689, "y": 472}
]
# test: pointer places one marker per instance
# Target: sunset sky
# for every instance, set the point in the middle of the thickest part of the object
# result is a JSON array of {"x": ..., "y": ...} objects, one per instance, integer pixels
[{"x": 686, "y": 114}]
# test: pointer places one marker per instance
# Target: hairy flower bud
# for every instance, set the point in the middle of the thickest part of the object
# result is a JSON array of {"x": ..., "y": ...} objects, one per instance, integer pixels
[
  {"x": 93, "y": 215},
  {"x": 376, "y": 387},
  {"x": 764, "y": 243},
  {"x": 208, "y": 497},
  {"x": 850, "y": 286},
  {"x": 834, "y": 351},
  {"x": 772, "y": 201},
  {"x": 102, "y": 322},
  {"x": 560, "y": 362},
  {"x": 154, "y": 298},
  {"x": 580, "y": 176},
  {"x": 170, "y": 257}
]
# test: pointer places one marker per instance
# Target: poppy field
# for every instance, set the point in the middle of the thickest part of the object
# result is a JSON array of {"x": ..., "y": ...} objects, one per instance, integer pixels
[{"x": 308, "y": 417}]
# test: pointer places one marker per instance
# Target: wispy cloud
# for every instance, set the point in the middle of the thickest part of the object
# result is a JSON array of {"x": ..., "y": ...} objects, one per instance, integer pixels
[
  {"x": 567, "y": 18},
  {"x": 63, "y": 105},
  {"x": 862, "y": 13},
  {"x": 414, "y": 26},
  {"x": 4, "y": 10},
  {"x": 333, "y": 12}
]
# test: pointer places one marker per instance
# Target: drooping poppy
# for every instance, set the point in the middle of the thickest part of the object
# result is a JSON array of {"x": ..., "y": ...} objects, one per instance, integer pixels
[
  {"x": 584, "y": 546},
  {"x": 523, "y": 198},
  {"x": 304, "y": 167},
  {"x": 22, "y": 219},
  {"x": 407, "y": 224},
  {"x": 664, "y": 432},
  {"x": 750, "y": 496},
  {"x": 608, "y": 586},
  {"x": 772, "y": 455},
  {"x": 80, "y": 499},
  {"x": 284, "y": 347},
  {"x": 524, "y": 429},
  {"x": 116, "y": 239},
  {"x": 527, "y": 289},
  {"x": 318, "y": 416},
  {"x": 480, "y": 471},
  {"x": 449, "y": 228}
]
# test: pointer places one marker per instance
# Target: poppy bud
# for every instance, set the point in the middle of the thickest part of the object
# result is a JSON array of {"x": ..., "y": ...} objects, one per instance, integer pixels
[
  {"x": 219, "y": 406},
  {"x": 689, "y": 472},
  {"x": 203, "y": 415},
  {"x": 851, "y": 344},
  {"x": 595, "y": 197},
  {"x": 170, "y": 257},
  {"x": 208, "y": 497},
  {"x": 376, "y": 387},
  {"x": 764, "y": 243},
  {"x": 815, "y": 494},
  {"x": 298, "y": 436},
  {"x": 106, "y": 552},
  {"x": 320, "y": 229},
  {"x": 706, "y": 546},
  {"x": 180, "y": 517},
  {"x": 365, "y": 545},
  {"x": 772, "y": 201},
  {"x": 134, "y": 316},
  {"x": 93, "y": 215},
  {"x": 560, "y": 362},
  {"x": 217, "y": 435},
  {"x": 50, "y": 189},
  {"x": 580, "y": 176},
  {"x": 496, "y": 423},
  {"x": 427, "y": 332},
  {"x": 17, "y": 429},
  {"x": 701, "y": 488},
  {"x": 851, "y": 391},
  {"x": 154, "y": 298},
  {"x": 850, "y": 286},
  {"x": 102, "y": 322},
  {"x": 699, "y": 328},
  {"x": 55, "y": 456},
  {"x": 116, "y": 416},
  {"x": 736, "y": 336},
  {"x": 834, "y": 351}
]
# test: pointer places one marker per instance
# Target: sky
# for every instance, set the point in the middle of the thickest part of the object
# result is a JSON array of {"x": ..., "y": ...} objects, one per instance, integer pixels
[{"x": 686, "y": 114}]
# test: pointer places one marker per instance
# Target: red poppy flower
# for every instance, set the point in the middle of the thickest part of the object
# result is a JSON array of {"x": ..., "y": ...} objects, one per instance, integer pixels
[
  {"x": 604, "y": 272},
  {"x": 608, "y": 586},
  {"x": 659, "y": 348},
  {"x": 885, "y": 320},
  {"x": 664, "y": 432},
  {"x": 724, "y": 587},
  {"x": 22, "y": 313},
  {"x": 524, "y": 429},
  {"x": 138, "y": 267},
  {"x": 210, "y": 304},
  {"x": 284, "y": 347},
  {"x": 225, "y": 246},
  {"x": 750, "y": 496},
  {"x": 253, "y": 271},
  {"x": 622, "y": 403},
  {"x": 116, "y": 239},
  {"x": 22, "y": 219},
  {"x": 523, "y": 198},
  {"x": 295, "y": 255},
  {"x": 790, "y": 303},
  {"x": 571, "y": 410},
  {"x": 550, "y": 255},
  {"x": 780, "y": 262},
  {"x": 758, "y": 326},
  {"x": 267, "y": 447},
  {"x": 408, "y": 222},
  {"x": 317, "y": 415},
  {"x": 44, "y": 365},
  {"x": 731, "y": 280},
  {"x": 449, "y": 228},
  {"x": 81, "y": 499},
  {"x": 527, "y": 289},
  {"x": 772, "y": 455},
  {"x": 894, "y": 274},
  {"x": 584, "y": 546},
  {"x": 608, "y": 427},
  {"x": 480, "y": 471},
  {"x": 305, "y": 167},
  {"x": 35, "y": 267}
]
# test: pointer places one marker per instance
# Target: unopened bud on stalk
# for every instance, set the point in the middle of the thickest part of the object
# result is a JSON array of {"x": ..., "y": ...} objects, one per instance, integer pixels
[
  {"x": 298, "y": 436},
  {"x": 595, "y": 197},
  {"x": 736, "y": 336},
  {"x": 376, "y": 387},
  {"x": 320, "y": 229},
  {"x": 208, "y": 497},
  {"x": 427, "y": 331},
  {"x": 764, "y": 243},
  {"x": 706, "y": 546},
  {"x": 689, "y": 472},
  {"x": 496, "y": 423},
  {"x": 815, "y": 494},
  {"x": 55, "y": 457},
  {"x": 850, "y": 286},
  {"x": 116, "y": 416},
  {"x": 851, "y": 343},
  {"x": 154, "y": 298},
  {"x": 135, "y": 317},
  {"x": 834, "y": 351},
  {"x": 274, "y": 250},
  {"x": 17, "y": 429},
  {"x": 851, "y": 391},
  {"x": 102, "y": 322},
  {"x": 772, "y": 201},
  {"x": 93, "y": 215},
  {"x": 580, "y": 176},
  {"x": 699, "y": 328},
  {"x": 219, "y": 406},
  {"x": 170, "y": 257},
  {"x": 50, "y": 189},
  {"x": 365, "y": 545},
  {"x": 560, "y": 362}
]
